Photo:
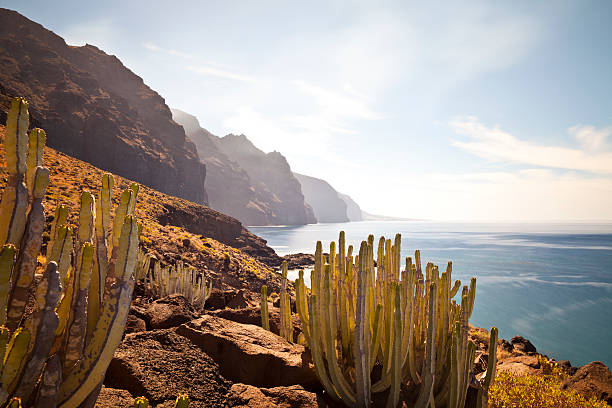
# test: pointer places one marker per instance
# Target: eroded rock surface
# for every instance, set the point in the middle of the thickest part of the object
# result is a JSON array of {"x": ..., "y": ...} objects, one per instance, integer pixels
[{"x": 249, "y": 354}]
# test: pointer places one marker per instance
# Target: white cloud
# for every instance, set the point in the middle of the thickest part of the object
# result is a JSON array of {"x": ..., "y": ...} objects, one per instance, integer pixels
[
  {"x": 207, "y": 70},
  {"x": 591, "y": 138},
  {"x": 201, "y": 68},
  {"x": 495, "y": 144}
]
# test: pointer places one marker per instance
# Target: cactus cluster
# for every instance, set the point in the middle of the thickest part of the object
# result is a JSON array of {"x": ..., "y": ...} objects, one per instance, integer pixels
[
  {"x": 162, "y": 281},
  {"x": 363, "y": 313},
  {"x": 60, "y": 327}
]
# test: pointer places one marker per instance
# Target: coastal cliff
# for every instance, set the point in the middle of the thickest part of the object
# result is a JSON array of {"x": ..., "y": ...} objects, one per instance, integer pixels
[
  {"x": 94, "y": 108},
  {"x": 244, "y": 182}
]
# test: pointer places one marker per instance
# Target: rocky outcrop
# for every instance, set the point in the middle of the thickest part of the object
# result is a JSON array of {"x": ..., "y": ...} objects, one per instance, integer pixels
[
  {"x": 245, "y": 351},
  {"x": 247, "y": 396},
  {"x": 94, "y": 108},
  {"x": 353, "y": 211},
  {"x": 235, "y": 183},
  {"x": 592, "y": 380},
  {"x": 272, "y": 179},
  {"x": 324, "y": 200}
]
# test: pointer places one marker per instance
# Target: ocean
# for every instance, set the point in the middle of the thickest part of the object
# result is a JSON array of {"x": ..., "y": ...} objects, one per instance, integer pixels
[{"x": 550, "y": 283}]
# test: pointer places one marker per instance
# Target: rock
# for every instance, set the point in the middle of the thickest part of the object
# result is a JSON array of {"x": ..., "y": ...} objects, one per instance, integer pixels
[
  {"x": 240, "y": 300},
  {"x": 520, "y": 365},
  {"x": 245, "y": 352},
  {"x": 299, "y": 260},
  {"x": 111, "y": 397},
  {"x": 170, "y": 311},
  {"x": 592, "y": 380},
  {"x": 135, "y": 324},
  {"x": 248, "y": 396},
  {"x": 522, "y": 345},
  {"x": 160, "y": 365},
  {"x": 567, "y": 367},
  {"x": 252, "y": 315}
]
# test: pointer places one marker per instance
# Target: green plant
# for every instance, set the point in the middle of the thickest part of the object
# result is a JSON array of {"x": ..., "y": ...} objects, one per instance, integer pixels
[
  {"x": 57, "y": 351},
  {"x": 141, "y": 402},
  {"x": 167, "y": 280},
  {"x": 265, "y": 318},
  {"x": 286, "y": 326},
  {"x": 361, "y": 314}
]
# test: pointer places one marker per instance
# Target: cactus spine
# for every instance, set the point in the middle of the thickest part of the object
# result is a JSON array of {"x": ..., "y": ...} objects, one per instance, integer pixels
[
  {"x": 361, "y": 314},
  {"x": 57, "y": 354}
]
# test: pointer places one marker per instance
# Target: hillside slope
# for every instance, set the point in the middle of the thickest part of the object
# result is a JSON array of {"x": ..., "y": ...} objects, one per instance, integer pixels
[
  {"x": 353, "y": 211},
  {"x": 173, "y": 228},
  {"x": 324, "y": 199},
  {"x": 94, "y": 108}
]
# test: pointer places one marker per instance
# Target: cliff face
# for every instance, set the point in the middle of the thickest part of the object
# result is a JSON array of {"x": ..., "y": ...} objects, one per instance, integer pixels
[
  {"x": 272, "y": 179},
  {"x": 325, "y": 201},
  {"x": 353, "y": 211},
  {"x": 94, "y": 108},
  {"x": 244, "y": 182}
]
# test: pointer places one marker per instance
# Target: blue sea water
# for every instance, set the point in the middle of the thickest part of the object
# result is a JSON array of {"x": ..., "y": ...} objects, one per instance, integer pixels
[{"x": 550, "y": 283}]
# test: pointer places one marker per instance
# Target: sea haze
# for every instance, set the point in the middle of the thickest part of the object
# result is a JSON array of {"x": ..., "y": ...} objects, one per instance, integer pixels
[{"x": 550, "y": 283}]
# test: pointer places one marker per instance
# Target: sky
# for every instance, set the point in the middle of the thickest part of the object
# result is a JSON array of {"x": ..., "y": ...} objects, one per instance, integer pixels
[{"x": 455, "y": 110}]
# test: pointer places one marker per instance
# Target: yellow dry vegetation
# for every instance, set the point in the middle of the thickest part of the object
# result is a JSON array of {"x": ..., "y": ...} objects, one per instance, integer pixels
[{"x": 537, "y": 391}]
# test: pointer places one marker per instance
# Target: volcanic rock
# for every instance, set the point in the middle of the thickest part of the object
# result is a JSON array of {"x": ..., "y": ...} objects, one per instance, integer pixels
[
  {"x": 245, "y": 352},
  {"x": 592, "y": 380}
]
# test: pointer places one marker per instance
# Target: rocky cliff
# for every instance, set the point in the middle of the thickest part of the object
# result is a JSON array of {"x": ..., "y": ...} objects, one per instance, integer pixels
[
  {"x": 94, "y": 108},
  {"x": 244, "y": 182},
  {"x": 353, "y": 211},
  {"x": 325, "y": 201}
]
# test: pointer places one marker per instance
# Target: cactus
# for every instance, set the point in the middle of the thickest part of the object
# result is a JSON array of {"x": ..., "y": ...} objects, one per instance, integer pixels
[
  {"x": 166, "y": 280},
  {"x": 483, "y": 384},
  {"x": 361, "y": 314},
  {"x": 286, "y": 326},
  {"x": 182, "y": 401},
  {"x": 141, "y": 402},
  {"x": 56, "y": 352},
  {"x": 265, "y": 316}
]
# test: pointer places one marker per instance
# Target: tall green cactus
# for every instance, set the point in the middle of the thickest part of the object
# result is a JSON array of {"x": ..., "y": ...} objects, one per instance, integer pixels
[
  {"x": 265, "y": 316},
  {"x": 361, "y": 314},
  {"x": 57, "y": 353},
  {"x": 286, "y": 326}
]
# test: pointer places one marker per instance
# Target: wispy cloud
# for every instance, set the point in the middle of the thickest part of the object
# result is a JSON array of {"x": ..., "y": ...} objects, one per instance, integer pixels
[
  {"x": 346, "y": 104},
  {"x": 199, "y": 67},
  {"x": 102, "y": 33},
  {"x": 208, "y": 70},
  {"x": 492, "y": 143}
]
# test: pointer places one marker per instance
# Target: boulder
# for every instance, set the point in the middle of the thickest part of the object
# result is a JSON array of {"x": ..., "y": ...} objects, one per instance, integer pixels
[
  {"x": 249, "y": 354},
  {"x": 252, "y": 315},
  {"x": 592, "y": 380},
  {"x": 160, "y": 365},
  {"x": 169, "y": 311},
  {"x": 248, "y": 396},
  {"x": 520, "y": 365},
  {"x": 135, "y": 324},
  {"x": 111, "y": 397},
  {"x": 522, "y": 345}
]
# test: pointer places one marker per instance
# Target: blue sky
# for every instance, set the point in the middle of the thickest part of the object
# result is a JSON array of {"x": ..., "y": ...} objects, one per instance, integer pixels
[{"x": 449, "y": 111}]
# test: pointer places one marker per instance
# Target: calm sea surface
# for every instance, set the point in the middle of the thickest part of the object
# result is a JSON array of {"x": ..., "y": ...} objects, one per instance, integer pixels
[{"x": 550, "y": 283}]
